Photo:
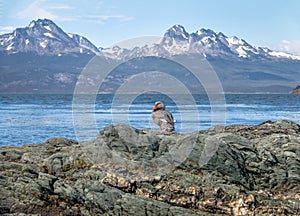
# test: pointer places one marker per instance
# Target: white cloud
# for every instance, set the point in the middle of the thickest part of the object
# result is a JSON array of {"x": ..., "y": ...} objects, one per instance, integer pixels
[
  {"x": 61, "y": 7},
  {"x": 35, "y": 10},
  {"x": 103, "y": 18},
  {"x": 119, "y": 17},
  {"x": 6, "y": 29},
  {"x": 57, "y": 12},
  {"x": 39, "y": 9},
  {"x": 292, "y": 47}
]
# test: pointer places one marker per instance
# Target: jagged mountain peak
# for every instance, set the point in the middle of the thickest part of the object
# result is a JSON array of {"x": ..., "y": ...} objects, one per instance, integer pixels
[
  {"x": 41, "y": 22},
  {"x": 220, "y": 34},
  {"x": 178, "y": 28},
  {"x": 206, "y": 32},
  {"x": 208, "y": 42},
  {"x": 45, "y": 27},
  {"x": 44, "y": 37},
  {"x": 177, "y": 32},
  {"x": 205, "y": 41}
]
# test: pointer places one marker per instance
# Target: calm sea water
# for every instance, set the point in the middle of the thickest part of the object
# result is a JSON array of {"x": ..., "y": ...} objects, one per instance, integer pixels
[{"x": 35, "y": 118}]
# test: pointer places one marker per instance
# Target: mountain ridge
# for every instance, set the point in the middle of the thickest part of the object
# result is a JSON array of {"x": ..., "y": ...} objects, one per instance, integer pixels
[
  {"x": 42, "y": 58},
  {"x": 44, "y": 37}
]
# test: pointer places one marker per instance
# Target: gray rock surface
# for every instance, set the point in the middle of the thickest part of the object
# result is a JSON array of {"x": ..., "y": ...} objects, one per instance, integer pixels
[{"x": 231, "y": 170}]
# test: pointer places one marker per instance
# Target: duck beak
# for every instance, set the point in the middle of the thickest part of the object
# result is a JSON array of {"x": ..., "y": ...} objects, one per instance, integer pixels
[{"x": 154, "y": 108}]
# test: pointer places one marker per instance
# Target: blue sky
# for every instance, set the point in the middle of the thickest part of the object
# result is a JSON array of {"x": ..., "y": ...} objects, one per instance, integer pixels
[{"x": 268, "y": 23}]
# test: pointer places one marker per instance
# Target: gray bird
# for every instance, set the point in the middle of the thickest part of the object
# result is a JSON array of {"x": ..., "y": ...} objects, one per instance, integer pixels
[{"x": 162, "y": 117}]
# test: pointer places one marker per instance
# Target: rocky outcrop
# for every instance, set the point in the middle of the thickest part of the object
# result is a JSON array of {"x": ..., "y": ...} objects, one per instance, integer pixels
[
  {"x": 296, "y": 90},
  {"x": 231, "y": 170}
]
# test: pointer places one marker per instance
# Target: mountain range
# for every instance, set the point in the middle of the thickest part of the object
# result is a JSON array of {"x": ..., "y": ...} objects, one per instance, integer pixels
[{"x": 43, "y": 58}]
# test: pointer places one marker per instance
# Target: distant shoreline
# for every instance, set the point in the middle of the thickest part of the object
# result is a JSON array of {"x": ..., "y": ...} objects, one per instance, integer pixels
[{"x": 111, "y": 93}]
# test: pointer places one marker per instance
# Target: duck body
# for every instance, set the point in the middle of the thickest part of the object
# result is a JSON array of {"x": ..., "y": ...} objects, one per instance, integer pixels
[{"x": 162, "y": 117}]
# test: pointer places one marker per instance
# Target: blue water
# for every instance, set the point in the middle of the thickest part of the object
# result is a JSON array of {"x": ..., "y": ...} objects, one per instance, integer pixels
[{"x": 35, "y": 118}]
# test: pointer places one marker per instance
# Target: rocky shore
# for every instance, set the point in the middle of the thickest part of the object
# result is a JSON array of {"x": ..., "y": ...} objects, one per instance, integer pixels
[
  {"x": 296, "y": 90},
  {"x": 231, "y": 170}
]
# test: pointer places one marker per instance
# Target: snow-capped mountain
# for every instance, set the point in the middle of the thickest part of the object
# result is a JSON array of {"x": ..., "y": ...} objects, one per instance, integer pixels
[
  {"x": 177, "y": 41},
  {"x": 44, "y": 37},
  {"x": 43, "y": 58}
]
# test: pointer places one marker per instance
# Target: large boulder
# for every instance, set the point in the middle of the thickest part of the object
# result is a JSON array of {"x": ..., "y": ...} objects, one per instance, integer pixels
[{"x": 234, "y": 170}]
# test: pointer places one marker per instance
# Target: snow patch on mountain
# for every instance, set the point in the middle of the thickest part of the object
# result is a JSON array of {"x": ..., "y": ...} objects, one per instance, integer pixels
[
  {"x": 43, "y": 44},
  {"x": 48, "y": 28},
  {"x": 234, "y": 41},
  {"x": 10, "y": 47},
  {"x": 47, "y": 34},
  {"x": 284, "y": 55},
  {"x": 32, "y": 24},
  {"x": 241, "y": 52}
]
